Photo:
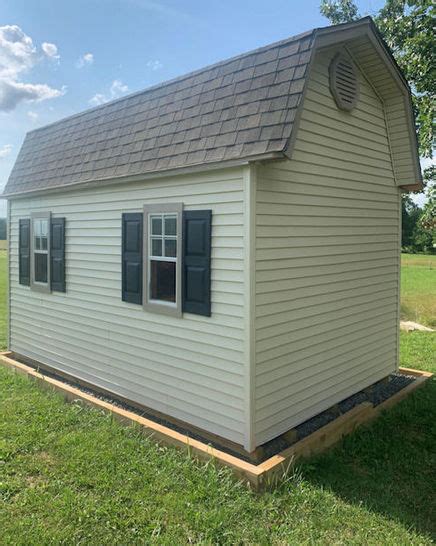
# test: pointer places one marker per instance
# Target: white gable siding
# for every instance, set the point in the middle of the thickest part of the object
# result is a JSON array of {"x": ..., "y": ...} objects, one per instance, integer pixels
[
  {"x": 327, "y": 261},
  {"x": 191, "y": 368}
]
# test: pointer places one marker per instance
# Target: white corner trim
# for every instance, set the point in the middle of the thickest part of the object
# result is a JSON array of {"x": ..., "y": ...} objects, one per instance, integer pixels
[
  {"x": 250, "y": 184},
  {"x": 8, "y": 258},
  {"x": 400, "y": 221}
]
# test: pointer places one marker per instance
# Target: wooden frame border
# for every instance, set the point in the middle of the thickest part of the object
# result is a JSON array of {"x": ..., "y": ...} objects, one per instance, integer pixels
[{"x": 258, "y": 476}]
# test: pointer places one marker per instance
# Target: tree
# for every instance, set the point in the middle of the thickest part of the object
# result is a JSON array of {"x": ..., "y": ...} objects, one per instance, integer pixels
[
  {"x": 410, "y": 215},
  {"x": 415, "y": 236},
  {"x": 407, "y": 27},
  {"x": 339, "y": 12},
  {"x": 427, "y": 221}
]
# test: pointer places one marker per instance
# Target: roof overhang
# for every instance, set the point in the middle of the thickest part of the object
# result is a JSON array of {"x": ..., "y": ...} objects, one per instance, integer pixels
[{"x": 168, "y": 173}]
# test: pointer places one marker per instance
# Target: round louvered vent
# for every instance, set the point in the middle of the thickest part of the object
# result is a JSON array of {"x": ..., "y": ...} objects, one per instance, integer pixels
[{"x": 344, "y": 84}]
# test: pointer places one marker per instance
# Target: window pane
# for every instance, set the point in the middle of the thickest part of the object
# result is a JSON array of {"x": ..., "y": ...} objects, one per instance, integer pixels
[
  {"x": 44, "y": 228},
  {"x": 41, "y": 267},
  {"x": 37, "y": 228},
  {"x": 156, "y": 247},
  {"x": 37, "y": 243},
  {"x": 171, "y": 225},
  {"x": 43, "y": 243},
  {"x": 156, "y": 225},
  {"x": 171, "y": 248},
  {"x": 163, "y": 281}
]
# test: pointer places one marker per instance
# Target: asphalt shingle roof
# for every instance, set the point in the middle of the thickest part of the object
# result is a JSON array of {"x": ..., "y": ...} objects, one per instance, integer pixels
[{"x": 240, "y": 108}]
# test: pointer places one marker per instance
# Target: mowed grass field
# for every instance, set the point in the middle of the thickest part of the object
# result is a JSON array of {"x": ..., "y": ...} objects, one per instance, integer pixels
[
  {"x": 71, "y": 475},
  {"x": 418, "y": 289}
]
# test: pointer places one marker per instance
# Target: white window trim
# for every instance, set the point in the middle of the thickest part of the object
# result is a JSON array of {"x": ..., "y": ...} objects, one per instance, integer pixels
[
  {"x": 156, "y": 306},
  {"x": 35, "y": 285}
]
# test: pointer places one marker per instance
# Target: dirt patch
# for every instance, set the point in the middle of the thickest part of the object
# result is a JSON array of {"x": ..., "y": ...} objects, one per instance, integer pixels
[{"x": 46, "y": 457}]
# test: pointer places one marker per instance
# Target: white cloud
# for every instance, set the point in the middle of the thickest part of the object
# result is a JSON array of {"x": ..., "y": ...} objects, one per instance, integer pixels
[
  {"x": 50, "y": 50},
  {"x": 13, "y": 92},
  {"x": 154, "y": 65},
  {"x": 116, "y": 90},
  {"x": 86, "y": 59},
  {"x": 5, "y": 150},
  {"x": 33, "y": 116},
  {"x": 17, "y": 52},
  {"x": 17, "y": 56}
]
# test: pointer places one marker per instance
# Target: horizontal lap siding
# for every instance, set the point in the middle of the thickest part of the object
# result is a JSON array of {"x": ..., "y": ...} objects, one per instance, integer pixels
[
  {"x": 190, "y": 368},
  {"x": 327, "y": 229}
]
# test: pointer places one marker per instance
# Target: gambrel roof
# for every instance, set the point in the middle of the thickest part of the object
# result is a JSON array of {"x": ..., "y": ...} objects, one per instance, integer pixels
[{"x": 242, "y": 109}]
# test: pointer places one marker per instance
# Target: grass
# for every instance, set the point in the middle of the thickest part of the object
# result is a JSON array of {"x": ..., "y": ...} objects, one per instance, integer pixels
[
  {"x": 3, "y": 244},
  {"x": 418, "y": 289},
  {"x": 71, "y": 475}
]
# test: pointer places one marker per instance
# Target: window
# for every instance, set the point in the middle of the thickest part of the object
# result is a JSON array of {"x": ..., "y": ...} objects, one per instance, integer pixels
[
  {"x": 40, "y": 251},
  {"x": 163, "y": 257},
  {"x": 166, "y": 259},
  {"x": 40, "y": 246},
  {"x": 162, "y": 267}
]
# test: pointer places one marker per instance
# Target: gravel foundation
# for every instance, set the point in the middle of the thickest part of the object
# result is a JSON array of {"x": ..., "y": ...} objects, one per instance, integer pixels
[{"x": 376, "y": 394}]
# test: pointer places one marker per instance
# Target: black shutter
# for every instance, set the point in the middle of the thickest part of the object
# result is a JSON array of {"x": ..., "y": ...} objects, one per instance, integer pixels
[
  {"x": 24, "y": 251},
  {"x": 196, "y": 261},
  {"x": 57, "y": 254},
  {"x": 131, "y": 258}
]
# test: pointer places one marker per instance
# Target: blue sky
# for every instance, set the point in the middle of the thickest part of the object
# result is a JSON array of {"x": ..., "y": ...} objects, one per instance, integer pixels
[{"x": 72, "y": 54}]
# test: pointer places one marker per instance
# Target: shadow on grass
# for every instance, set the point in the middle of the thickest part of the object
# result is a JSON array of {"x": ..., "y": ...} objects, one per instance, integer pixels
[{"x": 388, "y": 467}]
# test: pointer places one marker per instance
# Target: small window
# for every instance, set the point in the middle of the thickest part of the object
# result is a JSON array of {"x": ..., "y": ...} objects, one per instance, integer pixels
[
  {"x": 40, "y": 245},
  {"x": 40, "y": 251},
  {"x": 163, "y": 257},
  {"x": 162, "y": 279}
]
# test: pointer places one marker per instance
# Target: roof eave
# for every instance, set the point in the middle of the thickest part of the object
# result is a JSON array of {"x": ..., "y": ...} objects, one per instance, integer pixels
[
  {"x": 178, "y": 171},
  {"x": 419, "y": 186}
]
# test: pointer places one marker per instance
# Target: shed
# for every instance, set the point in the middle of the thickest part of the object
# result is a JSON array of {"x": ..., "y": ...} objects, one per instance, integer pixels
[{"x": 223, "y": 249}]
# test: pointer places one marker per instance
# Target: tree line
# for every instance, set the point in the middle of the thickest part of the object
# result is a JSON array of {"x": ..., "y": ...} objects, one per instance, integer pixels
[{"x": 418, "y": 233}]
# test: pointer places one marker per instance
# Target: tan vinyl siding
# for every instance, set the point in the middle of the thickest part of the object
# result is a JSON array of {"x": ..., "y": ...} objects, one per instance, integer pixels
[
  {"x": 327, "y": 267},
  {"x": 191, "y": 368},
  {"x": 399, "y": 125}
]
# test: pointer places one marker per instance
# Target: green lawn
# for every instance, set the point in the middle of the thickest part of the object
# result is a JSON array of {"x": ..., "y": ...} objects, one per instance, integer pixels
[
  {"x": 418, "y": 289},
  {"x": 71, "y": 475}
]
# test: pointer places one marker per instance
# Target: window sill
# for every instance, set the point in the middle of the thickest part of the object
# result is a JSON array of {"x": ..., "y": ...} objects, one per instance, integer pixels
[
  {"x": 40, "y": 287},
  {"x": 163, "y": 308}
]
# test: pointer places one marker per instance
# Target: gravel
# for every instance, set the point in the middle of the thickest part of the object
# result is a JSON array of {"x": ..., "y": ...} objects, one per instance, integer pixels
[
  {"x": 381, "y": 391},
  {"x": 376, "y": 394}
]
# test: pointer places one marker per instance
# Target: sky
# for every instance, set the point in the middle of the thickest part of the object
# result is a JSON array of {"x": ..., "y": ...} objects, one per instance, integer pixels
[{"x": 60, "y": 57}]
